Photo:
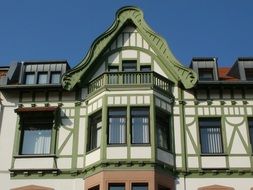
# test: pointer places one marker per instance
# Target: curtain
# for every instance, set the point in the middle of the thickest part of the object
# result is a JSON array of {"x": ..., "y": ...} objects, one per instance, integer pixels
[
  {"x": 117, "y": 130},
  {"x": 211, "y": 140},
  {"x": 36, "y": 142},
  {"x": 140, "y": 130}
]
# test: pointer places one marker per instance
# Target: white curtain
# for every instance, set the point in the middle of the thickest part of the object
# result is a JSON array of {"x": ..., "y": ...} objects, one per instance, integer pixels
[{"x": 211, "y": 140}]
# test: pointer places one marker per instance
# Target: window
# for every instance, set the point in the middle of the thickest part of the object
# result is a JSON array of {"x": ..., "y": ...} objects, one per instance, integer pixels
[
  {"x": 163, "y": 130},
  {"x": 95, "y": 125},
  {"x": 36, "y": 133},
  {"x": 42, "y": 78},
  {"x": 29, "y": 78},
  {"x": 250, "y": 123},
  {"x": 117, "y": 125},
  {"x": 206, "y": 74},
  {"x": 117, "y": 186},
  {"x": 249, "y": 73},
  {"x": 139, "y": 186},
  {"x": 140, "y": 125},
  {"x": 55, "y": 77},
  {"x": 145, "y": 68},
  {"x": 210, "y": 135},
  {"x": 129, "y": 66}
]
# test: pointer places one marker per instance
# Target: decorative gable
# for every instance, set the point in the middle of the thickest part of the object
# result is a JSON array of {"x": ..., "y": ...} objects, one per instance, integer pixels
[{"x": 129, "y": 30}]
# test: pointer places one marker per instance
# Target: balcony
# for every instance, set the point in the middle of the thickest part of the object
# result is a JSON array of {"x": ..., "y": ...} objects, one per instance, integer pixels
[{"x": 136, "y": 80}]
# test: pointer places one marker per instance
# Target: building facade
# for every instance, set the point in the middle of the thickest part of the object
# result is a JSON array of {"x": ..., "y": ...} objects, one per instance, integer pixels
[{"x": 129, "y": 116}]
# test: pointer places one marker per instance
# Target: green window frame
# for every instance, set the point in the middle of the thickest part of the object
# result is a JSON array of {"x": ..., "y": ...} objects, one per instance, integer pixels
[
  {"x": 250, "y": 124},
  {"x": 140, "y": 125},
  {"x": 94, "y": 131},
  {"x": 210, "y": 136},
  {"x": 117, "y": 125},
  {"x": 38, "y": 130},
  {"x": 163, "y": 127}
]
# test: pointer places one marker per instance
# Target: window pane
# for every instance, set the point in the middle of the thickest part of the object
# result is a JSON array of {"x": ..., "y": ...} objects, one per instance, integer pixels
[
  {"x": 55, "y": 77},
  {"x": 29, "y": 78},
  {"x": 42, "y": 78},
  {"x": 210, "y": 133},
  {"x": 205, "y": 74},
  {"x": 36, "y": 141},
  {"x": 129, "y": 65},
  {"x": 140, "y": 125},
  {"x": 163, "y": 130},
  {"x": 137, "y": 186},
  {"x": 36, "y": 133},
  {"x": 116, "y": 186},
  {"x": 95, "y": 125},
  {"x": 117, "y": 125}
]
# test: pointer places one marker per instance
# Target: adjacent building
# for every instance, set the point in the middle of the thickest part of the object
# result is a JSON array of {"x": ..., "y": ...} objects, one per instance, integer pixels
[{"x": 129, "y": 116}]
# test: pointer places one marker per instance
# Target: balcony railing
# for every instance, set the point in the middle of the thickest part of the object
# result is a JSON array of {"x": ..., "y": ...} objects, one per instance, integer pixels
[{"x": 131, "y": 79}]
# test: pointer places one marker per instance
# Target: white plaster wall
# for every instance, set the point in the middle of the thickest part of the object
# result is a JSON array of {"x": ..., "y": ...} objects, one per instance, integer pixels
[
  {"x": 64, "y": 163},
  {"x": 193, "y": 162},
  {"x": 81, "y": 135},
  {"x": 165, "y": 157},
  {"x": 100, "y": 70},
  {"x": 177, "y": 133},
  {"x": 213, "y": 161},
  {"x": 140, "y": 152},
  {"x": 239, "y": 162},
  {"x": 32, "y": 163},
  {"x": 178, "y": 161},
  {"x": 92, "y": 157},
  {"x": 145, "y": 58},
  {"x": 56, "y": 184},
  {"x": 158, "y": 69},
  {"x": 114, "y": 58},
  {"x": 7, "y": 134},
  {"x": 195, "y": 183},
  {"x": 129, "y": 54},
  {"x": 116, "y": 152}
]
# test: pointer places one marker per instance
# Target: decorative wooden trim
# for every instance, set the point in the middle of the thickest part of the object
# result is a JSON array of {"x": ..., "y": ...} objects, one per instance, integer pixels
[
  {"x": 215, "y": 187},
  {"x": 32, "y": 187}
]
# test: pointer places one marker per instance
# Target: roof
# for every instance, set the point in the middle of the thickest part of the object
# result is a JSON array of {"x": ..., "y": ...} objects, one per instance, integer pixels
[
  {"x": 223, "y": 74},
  {"x": 177, "y": 72}
]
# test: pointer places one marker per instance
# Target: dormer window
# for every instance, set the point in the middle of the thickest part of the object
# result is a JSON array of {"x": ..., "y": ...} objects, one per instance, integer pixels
[
  {"x": 249, "y": 74},
  {"x": 29, "y": 78},
  {"x": 206, "y": 74},
  {"x": 55, "y": 77},
  {"x": 42, "y": 77}
]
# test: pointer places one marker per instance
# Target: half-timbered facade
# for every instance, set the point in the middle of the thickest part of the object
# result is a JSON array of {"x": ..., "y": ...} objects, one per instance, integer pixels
[{"x": 129, "y": 116}]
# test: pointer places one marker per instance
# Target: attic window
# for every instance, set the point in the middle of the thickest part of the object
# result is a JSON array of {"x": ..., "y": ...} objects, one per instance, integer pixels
[
  {"x": 249, "y": 74},
  {"x": 129, "y": 65},
  {"x": 206, "y": 74}
]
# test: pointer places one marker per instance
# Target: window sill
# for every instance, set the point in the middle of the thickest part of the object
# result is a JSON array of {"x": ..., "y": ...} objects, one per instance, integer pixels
[
  {"x": 216, "y": 154},
  {"x": 93, "y": 150},
  {"x": 35, "y": 156},
  {"x": 117, "y": 145},
  {"x": 165, "y": 150},
  {"x": 141, "y": 144}
]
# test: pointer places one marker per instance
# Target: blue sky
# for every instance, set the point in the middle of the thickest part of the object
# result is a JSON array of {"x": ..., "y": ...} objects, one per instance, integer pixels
[{"x": 57, "y": 29}]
